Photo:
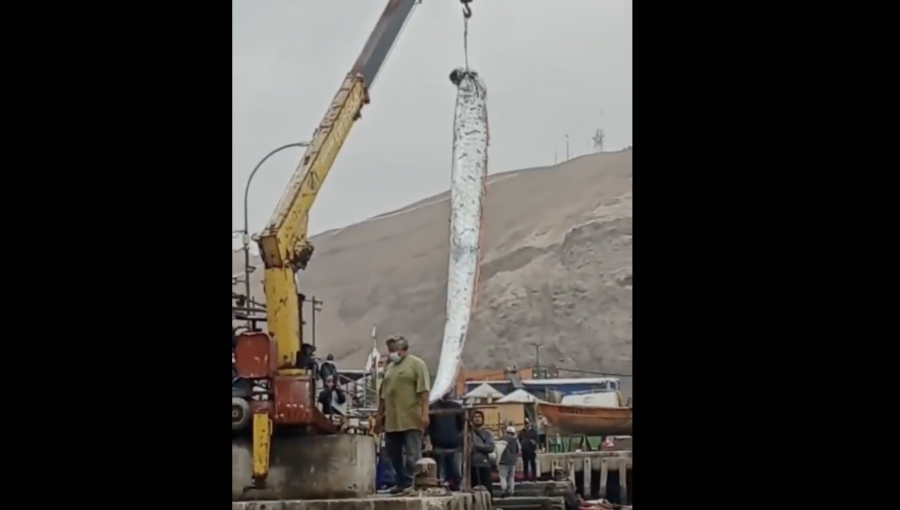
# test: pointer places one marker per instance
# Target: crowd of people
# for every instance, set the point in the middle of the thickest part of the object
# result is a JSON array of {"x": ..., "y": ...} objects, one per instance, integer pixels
[{"x": 408, "y": 422}]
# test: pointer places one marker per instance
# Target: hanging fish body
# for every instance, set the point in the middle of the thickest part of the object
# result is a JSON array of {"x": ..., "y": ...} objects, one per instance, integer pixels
[{"x": 467, "y": 183}]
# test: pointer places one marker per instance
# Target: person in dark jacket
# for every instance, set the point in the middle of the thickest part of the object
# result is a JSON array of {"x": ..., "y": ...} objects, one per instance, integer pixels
[
  {"x": 507, "y": 463},
  {"x": 482, "y": 447},
  {"x": 331, "y": 394},
  {"x": 306, "y": 358},
  {"x": 445, "y": 431},
  {"x": 327, "y": 368},
  {"x": 528, "y": 439}
]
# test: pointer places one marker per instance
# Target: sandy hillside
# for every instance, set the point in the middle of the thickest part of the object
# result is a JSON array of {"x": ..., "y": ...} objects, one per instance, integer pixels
[{"x": 557, "y": 269}]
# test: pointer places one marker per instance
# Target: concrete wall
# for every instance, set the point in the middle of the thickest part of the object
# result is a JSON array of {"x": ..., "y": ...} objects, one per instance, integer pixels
[
  {"x": 479, "y": 500},
  {"x": 308, "y": 467}
]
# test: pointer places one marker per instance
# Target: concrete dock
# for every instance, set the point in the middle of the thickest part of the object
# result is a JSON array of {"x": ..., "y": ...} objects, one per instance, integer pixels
[
  {"x": 329, "y": 473},
  {"x": 325, "y": 472},
  {"x": 531, "y": 503},
  {"x": 340, "y": 466},
  {"x": 550, "y": 494},
  {"x": 579, "y": 461},
  {"x": 479, "y": 500},
  {"x": 594, "y": 474}
]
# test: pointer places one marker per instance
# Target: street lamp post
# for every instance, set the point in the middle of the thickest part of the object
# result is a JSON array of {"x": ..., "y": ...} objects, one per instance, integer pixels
[{"x": 246, "y": 233}]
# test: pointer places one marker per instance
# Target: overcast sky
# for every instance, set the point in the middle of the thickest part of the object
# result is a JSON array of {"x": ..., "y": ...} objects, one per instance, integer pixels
[{"x": 551, "y": 68}]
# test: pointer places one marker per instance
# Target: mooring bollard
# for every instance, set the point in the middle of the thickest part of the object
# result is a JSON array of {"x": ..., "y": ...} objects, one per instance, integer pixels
[{"x": 426, "y": 476}]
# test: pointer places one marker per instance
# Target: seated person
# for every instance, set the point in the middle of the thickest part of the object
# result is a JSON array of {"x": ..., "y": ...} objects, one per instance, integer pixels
[
  {"x": 306, "y": 358},
  {"x": 331, "y": 394}
]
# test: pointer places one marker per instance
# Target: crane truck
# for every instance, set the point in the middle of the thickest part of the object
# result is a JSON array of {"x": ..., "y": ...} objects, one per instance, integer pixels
[{"x": 282, "y": 390}]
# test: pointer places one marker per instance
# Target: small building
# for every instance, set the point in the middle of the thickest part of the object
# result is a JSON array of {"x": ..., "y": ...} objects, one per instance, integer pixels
[
  {"x": 518, "y": 397},
  {"x": 484, "y": 398},
  {"x": 513, "y": 408},
  {"x": 467, "y": 380},
  {"x": 543, "y": 389},
  {"x": 483, "y": 394},
  {"x": 471, "y": 379},
  {"x": 502, "y": 386}
]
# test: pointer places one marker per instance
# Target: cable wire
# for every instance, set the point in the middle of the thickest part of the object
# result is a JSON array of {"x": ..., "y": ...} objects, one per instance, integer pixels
[{"x": 467, "y": 14}]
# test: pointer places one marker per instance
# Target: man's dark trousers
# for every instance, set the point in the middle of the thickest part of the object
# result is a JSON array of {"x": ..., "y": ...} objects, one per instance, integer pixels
[
  {"x": 404, "y": 449},
  {"x": 447, "y": 461},
  {"x": 529, "y": 461}
]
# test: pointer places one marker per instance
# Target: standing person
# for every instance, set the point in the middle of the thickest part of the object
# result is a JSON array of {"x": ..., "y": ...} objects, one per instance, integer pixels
[
  {"x": 327, "y": 367},
  {"x": 389, "y": 358},
  {"x": 482, "y": 447},
  {"x": 385, "y": 477},
  {"x": 330, "y": 395},
  {"x": 391, "y": 345},
  {"x": 446, "y": 430},
  {"x": 507, "y": 463},
  {"x": 528, "y": 438},
  {"x": 403, "y": 406},
  {"x": 542, "y": 432}
]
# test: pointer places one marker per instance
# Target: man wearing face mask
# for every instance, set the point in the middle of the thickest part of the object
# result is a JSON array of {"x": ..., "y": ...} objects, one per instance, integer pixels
[
  {"x": 391, "y": 344},
  {"x": 392, "y": 349},
  {"x": 403, "y": 405}
]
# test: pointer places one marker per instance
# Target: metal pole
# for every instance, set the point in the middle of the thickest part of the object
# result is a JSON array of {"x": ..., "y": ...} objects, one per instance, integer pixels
[
  {"x": 314, "y": 303},
  {"x": 246, "y": 234},
  {"x": 567, "y": 147},
  {"x": 467, "y": 454},
  {"x": 313, "y": 321}
]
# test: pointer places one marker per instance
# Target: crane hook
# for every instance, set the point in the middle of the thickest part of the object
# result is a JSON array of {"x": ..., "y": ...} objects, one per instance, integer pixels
[{"x": 467, "y": 11}]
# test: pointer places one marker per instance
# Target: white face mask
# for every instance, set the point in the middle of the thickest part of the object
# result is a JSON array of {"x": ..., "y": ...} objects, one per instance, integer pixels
[{"x": 394, "y": 357}]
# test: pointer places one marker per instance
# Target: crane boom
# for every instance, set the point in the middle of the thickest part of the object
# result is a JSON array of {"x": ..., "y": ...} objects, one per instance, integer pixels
[{"x": 283, "y": 243}]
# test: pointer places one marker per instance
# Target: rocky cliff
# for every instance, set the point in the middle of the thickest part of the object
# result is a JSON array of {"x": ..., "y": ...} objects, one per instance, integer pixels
[{"x": 557, "y": 270}]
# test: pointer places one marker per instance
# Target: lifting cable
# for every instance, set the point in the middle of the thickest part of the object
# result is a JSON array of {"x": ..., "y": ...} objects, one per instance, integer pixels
[{"x": 467, "y": 15}]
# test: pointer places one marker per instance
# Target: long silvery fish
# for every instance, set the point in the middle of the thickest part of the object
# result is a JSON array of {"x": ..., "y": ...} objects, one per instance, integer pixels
[{"x": 467, "y": 182}]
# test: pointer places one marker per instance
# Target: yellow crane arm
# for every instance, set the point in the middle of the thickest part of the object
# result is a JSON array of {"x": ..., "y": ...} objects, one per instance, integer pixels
[{"x": 283, "y": 243}]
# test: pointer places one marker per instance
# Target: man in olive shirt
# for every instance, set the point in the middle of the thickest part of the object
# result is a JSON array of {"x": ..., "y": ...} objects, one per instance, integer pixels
[{"x": 403, "y": 405}]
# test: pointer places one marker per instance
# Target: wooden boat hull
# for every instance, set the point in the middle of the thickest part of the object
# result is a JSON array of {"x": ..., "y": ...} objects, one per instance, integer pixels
[{"x": 588, "y": 421}]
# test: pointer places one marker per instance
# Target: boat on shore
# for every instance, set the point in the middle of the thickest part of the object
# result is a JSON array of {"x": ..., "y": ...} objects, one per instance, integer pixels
[{"x": 579, "y": 420}]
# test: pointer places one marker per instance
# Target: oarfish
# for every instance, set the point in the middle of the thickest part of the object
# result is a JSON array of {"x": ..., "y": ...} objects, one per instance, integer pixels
[{"x": 467, "y": 182}]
